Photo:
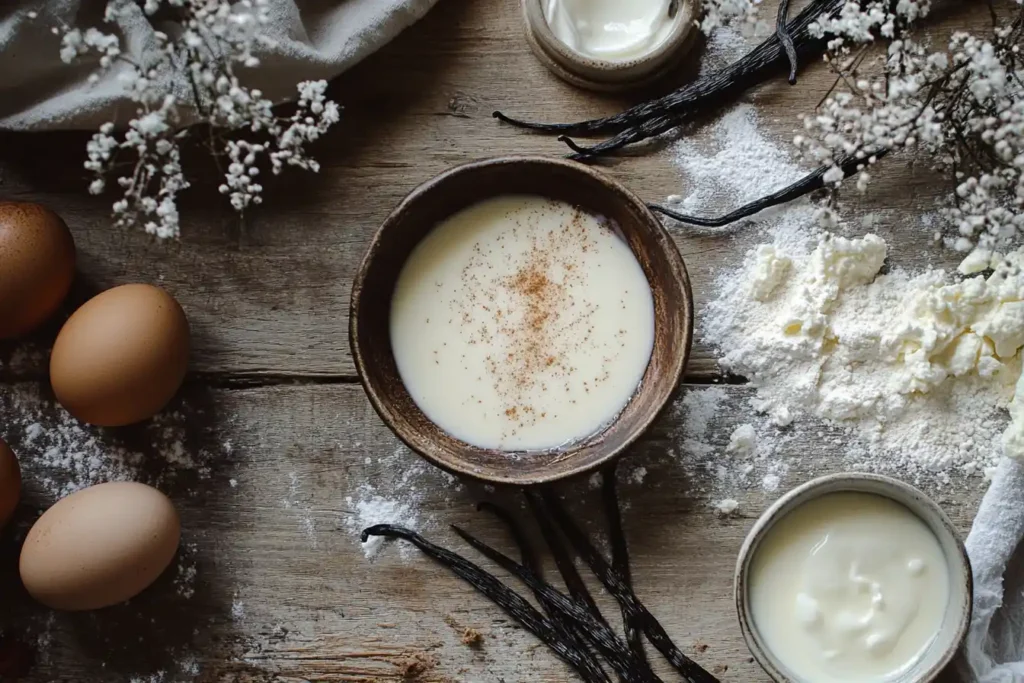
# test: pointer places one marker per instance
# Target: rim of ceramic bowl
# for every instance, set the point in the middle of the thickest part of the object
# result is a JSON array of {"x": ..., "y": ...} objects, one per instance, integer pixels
[
  {"x": 958, "y": 611},
  {"x": 642, "y": 422},
  {"x": 603, "y": 74}
]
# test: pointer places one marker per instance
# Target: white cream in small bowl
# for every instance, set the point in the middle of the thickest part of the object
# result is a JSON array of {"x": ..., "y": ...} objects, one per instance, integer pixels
[
  {"x": 853, "y": 578},
  {"x": 610, "y": 44}
]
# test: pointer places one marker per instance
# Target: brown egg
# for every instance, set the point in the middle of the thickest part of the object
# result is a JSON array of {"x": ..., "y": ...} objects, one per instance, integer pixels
[
  {"x": 100, "y": 546},
  {"x": 121, "y": 357},
  {"x": 10, "y": 483},
  {"x": 37, "y": 265}
]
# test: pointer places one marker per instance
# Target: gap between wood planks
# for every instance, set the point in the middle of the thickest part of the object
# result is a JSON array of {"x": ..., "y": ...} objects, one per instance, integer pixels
[
  {"x": 256, "y": 380},
  {"x": 259, "y": 380}
]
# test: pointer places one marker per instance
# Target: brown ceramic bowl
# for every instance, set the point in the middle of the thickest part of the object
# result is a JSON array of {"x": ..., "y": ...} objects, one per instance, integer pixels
[{"x": 456, "y": 189}]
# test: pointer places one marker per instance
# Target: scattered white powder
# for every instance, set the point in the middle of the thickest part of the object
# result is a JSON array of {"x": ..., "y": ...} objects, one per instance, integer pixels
[
  {"x": 185, "y": 579},
  {"x": 367, "y": 508},
  {"x": 915, "y": 368},
  {"x": 726, "y": 507},
  {"x": 158, "y": 677},
  {"x": 735, "y": 172},
  {"x": 724, "y": 46},
  {"x": 699, "y": 407},
  {"x": 399, "y": 500},
  {"x": 638, "y": 475},
  {"x": 237, "y": 609},
  {"x": 743, "y": 441},
  {"x": 189, "y": 666},
  {"x": 61, "y": 455},
  {"x": 303, "y": 511},
  {"x": 909, "y": 373}
]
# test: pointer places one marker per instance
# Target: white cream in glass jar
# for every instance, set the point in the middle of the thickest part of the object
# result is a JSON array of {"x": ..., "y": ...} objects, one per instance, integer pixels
[{"x": 610, "y": 30}]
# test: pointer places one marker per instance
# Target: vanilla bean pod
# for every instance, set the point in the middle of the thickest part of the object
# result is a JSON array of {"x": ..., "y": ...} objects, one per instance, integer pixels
[
  {"x": 501, "y": 595},
  {"x": 756, "y": 67},
  {"x": 652, "y": 628},
  {"x": 566, "y": 567},
  {"x": 620, "y": 556},
  {"x": 570, "y": 629},
  {"x": 529, "y": 558},
  {"x": 668, "y": 118},
  {"x": 614, "y": 650},
  {"x": 809, "y": 183},
  {"x": 782, "y": 31}
]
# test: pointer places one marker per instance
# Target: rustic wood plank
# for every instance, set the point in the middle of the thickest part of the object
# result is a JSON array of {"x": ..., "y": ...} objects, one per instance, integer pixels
[
  {"x": 283, "y": 592},
  {"x": 270, "y": 296}
]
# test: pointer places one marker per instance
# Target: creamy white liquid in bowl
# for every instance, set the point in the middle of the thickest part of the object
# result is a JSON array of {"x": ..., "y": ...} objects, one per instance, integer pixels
[
  {"x": 611, "y": 30},
  {"x": 522, "y": 323},
  {"x": 849, "y": 587}
]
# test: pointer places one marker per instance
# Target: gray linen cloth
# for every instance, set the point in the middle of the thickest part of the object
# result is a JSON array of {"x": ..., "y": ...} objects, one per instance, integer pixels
[{"x": 315, "y": 39}]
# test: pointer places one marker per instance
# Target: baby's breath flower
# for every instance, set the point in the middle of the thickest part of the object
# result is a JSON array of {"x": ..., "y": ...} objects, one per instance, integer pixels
[
  {"x": 962, "y": 106},
  {"x": 216, "y": 37}
]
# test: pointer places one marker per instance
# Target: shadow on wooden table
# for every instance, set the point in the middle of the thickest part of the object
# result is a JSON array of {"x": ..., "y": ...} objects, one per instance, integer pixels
[{"x": 186, "y": 614}]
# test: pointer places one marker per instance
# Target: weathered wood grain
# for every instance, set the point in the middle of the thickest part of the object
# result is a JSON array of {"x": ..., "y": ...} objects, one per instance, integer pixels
[
  {"x": 269, "y": 296},
  {"x": 283, "y": 591}
]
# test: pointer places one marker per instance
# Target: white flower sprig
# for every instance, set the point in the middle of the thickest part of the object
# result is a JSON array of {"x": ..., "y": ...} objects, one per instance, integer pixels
[
  {"x": 718, "y": 13},
  {"x": 963, "y": 107},
  {"x": 239, "y": 125}
]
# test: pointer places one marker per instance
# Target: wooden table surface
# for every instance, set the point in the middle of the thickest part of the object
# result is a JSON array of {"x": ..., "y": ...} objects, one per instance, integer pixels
[{"x": 272, "y": 584}]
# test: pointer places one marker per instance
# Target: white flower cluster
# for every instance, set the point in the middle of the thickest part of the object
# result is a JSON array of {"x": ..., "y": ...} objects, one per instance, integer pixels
[
  {"x": 716, "y": 13},
  {"x": 963, "y": 107},
  {"x": 216, "y": 38}
]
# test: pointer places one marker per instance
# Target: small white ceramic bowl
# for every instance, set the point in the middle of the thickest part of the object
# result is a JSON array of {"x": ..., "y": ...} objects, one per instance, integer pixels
[
  {"x": 603, "y": 75},
  {"x": 958, "y": 612}
]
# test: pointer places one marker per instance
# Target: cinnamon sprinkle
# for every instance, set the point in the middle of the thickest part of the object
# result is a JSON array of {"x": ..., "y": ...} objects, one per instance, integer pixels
[{"x": 531, "y": 315}]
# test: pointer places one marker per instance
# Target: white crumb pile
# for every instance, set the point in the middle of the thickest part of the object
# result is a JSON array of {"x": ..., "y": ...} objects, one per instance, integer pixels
[
  {"x": 743, "y": 441},
  {"x": 916, "y": 369},
  {"x": 726, "y": 507},
  {"x": 910, "y": 373}
]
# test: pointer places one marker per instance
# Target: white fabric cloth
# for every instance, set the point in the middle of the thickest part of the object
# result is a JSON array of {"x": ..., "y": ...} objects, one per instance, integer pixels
[
  {"x": 995, "y": 643},
  {"x": 316, "y": 39}
]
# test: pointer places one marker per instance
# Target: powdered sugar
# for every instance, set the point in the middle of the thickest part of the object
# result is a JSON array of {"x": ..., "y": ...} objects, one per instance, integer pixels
[
  {"x": 811, "y": 323},
  {"x": 735, "y": 172},
  {"x": 399, "y": 501},
  {"x": 61, "y": 455},
  {"x": 699, "y": 407},
  {"x": 302, "y": 511},
  {"x": 368, "y": 508}
]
